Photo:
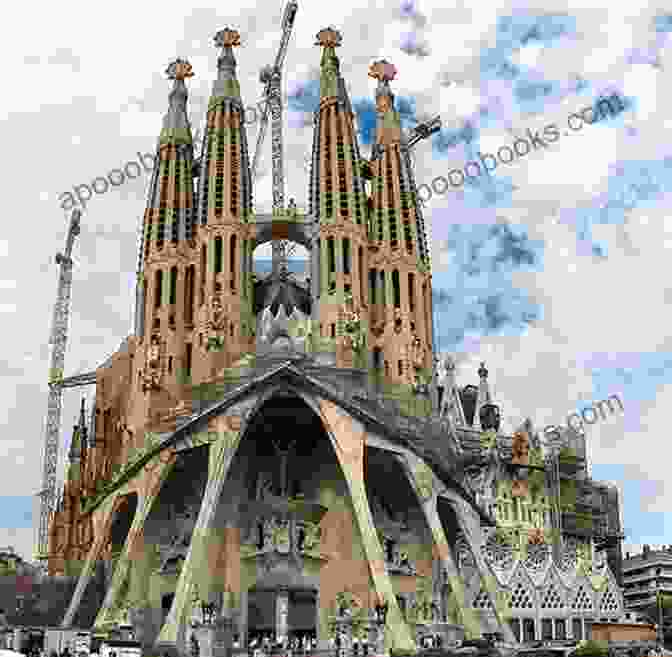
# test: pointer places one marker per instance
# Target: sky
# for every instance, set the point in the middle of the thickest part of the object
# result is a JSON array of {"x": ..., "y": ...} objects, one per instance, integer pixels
[{"x": 549, "y": 268}]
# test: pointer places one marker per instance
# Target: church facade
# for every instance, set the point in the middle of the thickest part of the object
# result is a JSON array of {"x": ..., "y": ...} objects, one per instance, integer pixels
[{"x": 286, "y": 456}]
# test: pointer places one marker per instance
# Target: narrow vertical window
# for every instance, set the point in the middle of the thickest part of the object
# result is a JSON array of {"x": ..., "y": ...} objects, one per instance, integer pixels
[
  {"x": 383, "y": 293},
  {"x": 233, "y": 262},
  {"x": 372, "y": 286},
  {"x": 346, "y": 255},
  {"x": 204, "y": 265},
  {"x": 187, "y": 364},
  {"x": 158, "y": 288},
  {"x": 218, "y": 254},
  {"x": 331, "y": 254},
  {"x": 360, "y": 273},
  {"x": 411, "y": 292},
  {"x": 396, "y": 290},
  {"x": 173, "y": 286},
  {"x": 189, "y": 295}
]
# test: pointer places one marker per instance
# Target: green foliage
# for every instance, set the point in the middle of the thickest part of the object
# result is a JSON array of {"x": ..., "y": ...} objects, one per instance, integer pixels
[{"x": 592, "y": 648}]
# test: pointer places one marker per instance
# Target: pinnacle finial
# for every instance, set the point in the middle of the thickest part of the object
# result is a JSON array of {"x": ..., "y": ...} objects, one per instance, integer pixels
[
  {"x": 382, "y": 70},
  {"x": 329, "y": 37},
  {"x": 179, "y": 70},
  {"x": 227, "y": 38},
  {"x": 482, "y": 372}
]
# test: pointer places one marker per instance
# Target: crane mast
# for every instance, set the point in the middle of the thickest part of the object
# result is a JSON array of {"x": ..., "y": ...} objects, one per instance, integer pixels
[
  {"x": 271, "y": 77},
  {"x": 58, "y": 340}
]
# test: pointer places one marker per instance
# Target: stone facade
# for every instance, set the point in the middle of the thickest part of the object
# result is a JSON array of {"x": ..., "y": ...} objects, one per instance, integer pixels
[{"x": 283, "y": 456}]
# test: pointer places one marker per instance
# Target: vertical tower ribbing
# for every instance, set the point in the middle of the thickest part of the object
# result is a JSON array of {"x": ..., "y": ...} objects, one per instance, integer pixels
[
  {"x": 399, "y": 271},
  {"x": 337, "y": 200}
]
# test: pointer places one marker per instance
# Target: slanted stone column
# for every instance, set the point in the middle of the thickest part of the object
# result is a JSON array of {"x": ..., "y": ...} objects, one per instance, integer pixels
[
  {"x": 156, "y": 473},
  {"x": 102, "y": 521},
  {"x": 425, "y": 486},
  {"x": 222, "y": 451},
  {"x": 470, "y": 524},
  {"x": 349, "y": 435}
]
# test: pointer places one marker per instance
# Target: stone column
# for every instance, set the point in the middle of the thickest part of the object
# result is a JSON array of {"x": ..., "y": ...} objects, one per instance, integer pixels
[
  {"x": 102, "y": 521},
  {"x": 349, "y": 436},
  {"x": 281, "y": 613},
  {"x": 157, "y": 472},
  {"x": 425, "y": 486},
  {"x": 220, "y": 457},
  {"x": 470, "y": 525}
]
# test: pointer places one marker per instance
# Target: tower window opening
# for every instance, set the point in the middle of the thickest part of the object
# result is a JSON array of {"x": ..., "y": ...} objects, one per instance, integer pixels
[
  {"x": 372, "y": 286},
  {"x": 400, "y": 367},
  {"x": 176, "y": 223},
  {"x": 231, "y": 330},
  {"x": 162, "y": 227},
  {"x": 396, "y": 291},
  {"x": 173, "y": 286},
  {"x": 346, "y": 255},
  {"x": 233, "y": 262},
  {"x": 187, "y": 364},
  {"x": 331, "y": 254},
  {"x": 360, "y": 272},
  {"x": 158, "y": 288},
  {"x": 204, "y": 265},
  {"x": 383, "y": 295},
  {"x": 411, "y": 292},
  {"x": 170, "y": 364},
  {"x": 218, "y": 254},
  {"x": 189, "y": 294},
  {"x": 333, "y": 330}
]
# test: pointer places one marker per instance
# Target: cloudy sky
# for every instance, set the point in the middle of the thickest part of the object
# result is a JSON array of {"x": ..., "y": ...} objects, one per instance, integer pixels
[{"x": 549, "y": 267}]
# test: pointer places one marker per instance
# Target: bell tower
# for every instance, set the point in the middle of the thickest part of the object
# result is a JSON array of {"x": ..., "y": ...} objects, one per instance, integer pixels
[
  {"x": 337, "y": 203},
  {"x": 398, "y": 276}
]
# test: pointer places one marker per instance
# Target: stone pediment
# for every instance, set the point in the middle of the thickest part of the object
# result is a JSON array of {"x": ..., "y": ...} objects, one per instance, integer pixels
[{"x": 344, "y": 388}]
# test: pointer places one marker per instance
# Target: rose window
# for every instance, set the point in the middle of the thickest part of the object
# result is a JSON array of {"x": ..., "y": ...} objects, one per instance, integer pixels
[{"x": 537, "y": 555}]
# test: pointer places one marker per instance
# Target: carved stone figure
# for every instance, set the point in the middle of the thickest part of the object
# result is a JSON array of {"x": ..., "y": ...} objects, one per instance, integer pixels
[
  {"x": 416, "y": 352},
  {"x": 264, "y": 486},
  {"x": 312, "y": 537},
  {"x": 217, "y": 318},
  {"x": 269, "y": 526},
  {"x": 151, "y": 375}
]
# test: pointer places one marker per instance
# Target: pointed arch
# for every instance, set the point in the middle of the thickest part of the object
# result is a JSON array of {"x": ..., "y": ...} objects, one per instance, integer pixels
[
  {"x": 553, "y": 594},
  {"x": 610, "y": 600},
  {"x": 583, "y": 600},
  {"x": 524, "y": 599}
]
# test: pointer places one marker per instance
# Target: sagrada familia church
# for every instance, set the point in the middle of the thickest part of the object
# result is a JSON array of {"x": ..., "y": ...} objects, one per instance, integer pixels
[{"x": 287, "y": 456}]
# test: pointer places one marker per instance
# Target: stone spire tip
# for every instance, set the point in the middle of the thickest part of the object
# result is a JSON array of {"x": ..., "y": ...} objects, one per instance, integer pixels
[
  {"x": 383, "y": 71},
  {"x": 179, "y": 70},
  {"x": 227, "y": 38},
  {"x": 329, "y": 37}
]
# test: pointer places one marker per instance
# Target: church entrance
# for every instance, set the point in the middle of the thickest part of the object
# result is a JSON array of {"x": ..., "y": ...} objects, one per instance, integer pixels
[{"x": 281, "y": 618}]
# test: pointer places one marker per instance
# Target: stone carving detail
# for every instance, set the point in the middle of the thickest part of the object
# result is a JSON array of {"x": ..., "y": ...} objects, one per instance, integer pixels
[
  {"x": 176, "y": 550},
  {"x": 498, "y": 551},
  {"x": 537, "y": 556},
  {"x": 151, "y": 374}
]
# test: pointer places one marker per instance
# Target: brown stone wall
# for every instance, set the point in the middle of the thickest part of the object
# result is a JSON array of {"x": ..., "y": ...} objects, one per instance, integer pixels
[{"x": 623, "y": 632}]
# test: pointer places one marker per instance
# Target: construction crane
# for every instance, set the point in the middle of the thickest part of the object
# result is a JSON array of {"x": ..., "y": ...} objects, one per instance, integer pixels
[
  {"x": 58, "y": 340},
  {"x": 271, "y": 78}
]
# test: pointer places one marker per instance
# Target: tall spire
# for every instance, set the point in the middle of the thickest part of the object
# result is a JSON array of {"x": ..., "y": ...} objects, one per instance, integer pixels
[
  {"x": 169, "y": 215},
  {"x": 225, "y": 183},
  {"x": 337, "y": 201},
  {"x": 483, "y": 392}
]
